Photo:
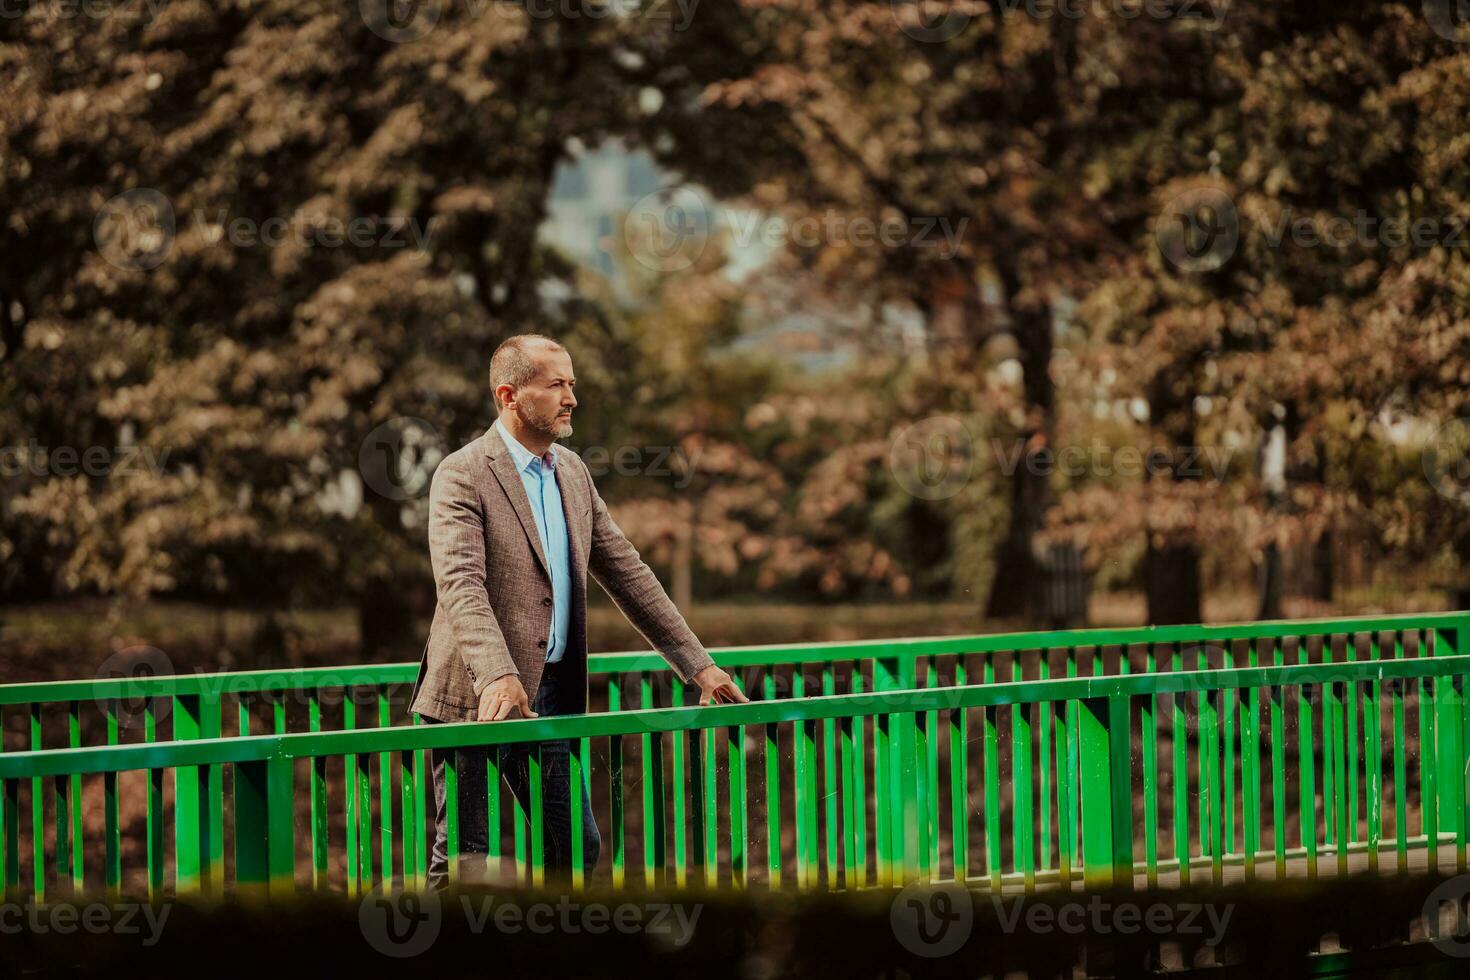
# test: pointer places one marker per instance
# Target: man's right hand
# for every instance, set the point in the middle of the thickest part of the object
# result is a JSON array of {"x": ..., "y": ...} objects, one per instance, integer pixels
[{"x": 504, "y": 698}]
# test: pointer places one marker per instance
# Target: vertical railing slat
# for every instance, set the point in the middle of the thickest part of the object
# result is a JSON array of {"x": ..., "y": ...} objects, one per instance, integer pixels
[
  {"x": 1350, "y": 709},
  {"x": 537, "y": 814},
  {"x": 1373, "y": 758},
  {"x": 735, "y": 755},
  {"x": 772, "y": 787},
  {"x": 1205, "y": 751},
  {"x": 264, "y": 827},
  {"x": 711, "y": 797},
  {"x": 1449, "y": 777},
  {"x": 1022, "y": 818},
  {"x": 990, "y": 736},
  {"x": 683, "y": 752},
  {"x": 365, "y": 811},
  {"x": 211, "y": 725},
  {"x": 1229, "y": 701},
  {"x": 74, "y": 801},
  {"x": 494, "y": 825},
  {"x": 655, "y": 860},
  {"x": 859, "y": 785},
  {"x": 155, "y": 807},
  {"x": 406, "y": 782},
  {"x": 617, "y": 829},
  {"x": 318, "y": 797},
  {"x": 884, "y": 811},
  {"x": 111, "y": 827},
  {"x": 831, "y": 828},
  {"x": 350, "y": 796},
  {"x": 385, "y": 787},
  {"x": 959, "y": 779},
  {"x": 1307, "y": 765},
  {"x": 1428, "y": 764},
  {"x": 1148, "y": 722},
  {"x": 188, "y": 818},
  {"x": 575, "y": 788},
  {"x": 1400, "y": 776},
  {"x": 38, "y": 813},
  {"x": 1250, "y": 753},
  {"x": 1179, "y": 772},
  {"x": 1044, "y": 722}
]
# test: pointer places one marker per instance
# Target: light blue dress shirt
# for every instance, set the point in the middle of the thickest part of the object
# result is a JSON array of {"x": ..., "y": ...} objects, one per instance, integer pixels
[{"x": 538, "y": 474}]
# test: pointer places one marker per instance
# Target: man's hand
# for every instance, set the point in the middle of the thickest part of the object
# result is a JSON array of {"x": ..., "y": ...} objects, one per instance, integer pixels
[
  {"x": 716, "y": 687},
  {"x": 503, "y": 698}
]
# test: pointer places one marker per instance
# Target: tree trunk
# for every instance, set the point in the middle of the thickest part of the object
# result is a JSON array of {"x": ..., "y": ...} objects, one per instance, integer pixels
[
  {"x": 1172, "y": 583},
  {"x": 1017, "y": 583},
  {"x": 1319, "y": 563},
  {"x": 1172, "y": 570},
  {"x": 1271, "y": 463},
  {"x": 1322, "y": 568},
  {"x": 1269, "y": 584},
  {"x": 385, "y": 622},
  {"x": 684, "y": 559}
]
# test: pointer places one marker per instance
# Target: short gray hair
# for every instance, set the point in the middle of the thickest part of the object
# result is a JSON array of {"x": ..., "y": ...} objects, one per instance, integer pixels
[{"x": 511, "y": 363}]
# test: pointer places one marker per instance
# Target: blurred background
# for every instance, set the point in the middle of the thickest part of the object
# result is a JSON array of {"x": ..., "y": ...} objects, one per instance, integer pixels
[{"x": 889, "y": 318}]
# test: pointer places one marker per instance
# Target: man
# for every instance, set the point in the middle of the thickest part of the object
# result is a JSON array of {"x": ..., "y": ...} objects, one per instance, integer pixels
[{"x": 515, "y": 525}]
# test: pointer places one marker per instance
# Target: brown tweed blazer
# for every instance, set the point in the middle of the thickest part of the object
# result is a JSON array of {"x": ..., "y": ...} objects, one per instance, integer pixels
[{"x": 494, "y": 585}]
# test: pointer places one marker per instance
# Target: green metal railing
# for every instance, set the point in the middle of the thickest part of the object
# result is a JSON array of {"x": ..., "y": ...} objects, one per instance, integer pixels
[
  {"x": 50, "y": 714},
  {"x": 1172, "y": 749}
]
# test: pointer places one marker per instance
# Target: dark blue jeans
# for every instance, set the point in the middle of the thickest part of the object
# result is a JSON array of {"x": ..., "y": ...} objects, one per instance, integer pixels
[{"x": 474, "y": 831}]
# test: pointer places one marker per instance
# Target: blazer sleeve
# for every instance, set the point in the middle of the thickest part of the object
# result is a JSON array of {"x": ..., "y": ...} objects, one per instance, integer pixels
[
  {"x": 615, "y": 565},
  {"x": 457, "y": 553}
]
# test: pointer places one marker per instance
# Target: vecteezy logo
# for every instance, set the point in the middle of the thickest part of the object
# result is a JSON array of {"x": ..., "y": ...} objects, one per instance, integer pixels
[
  {"x": 914, "y": 21},
  {"x": 400, "y": 21},
  {"x": 1450, "y": 19},
  {"x": 932, "y": 920},
  {"x": 397, "y": 459},
  {"x": 932, "y": 459},
  {"x": 135, "y": 230},
  {"x": 668, "y": 230},
  {"x": 400, "y": 923},
  {"x": 1198, "y": 230},
  {"x": 1451, "y": 893},
  {"x": 1447, "y": 460},
  {"x": 129, "y": 705}
]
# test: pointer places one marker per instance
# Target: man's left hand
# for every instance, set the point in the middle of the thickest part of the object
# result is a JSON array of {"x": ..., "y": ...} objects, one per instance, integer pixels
[{"x": 716, "y": 687}]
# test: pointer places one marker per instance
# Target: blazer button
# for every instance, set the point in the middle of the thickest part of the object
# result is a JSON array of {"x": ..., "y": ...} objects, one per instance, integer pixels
[
  {"x": 546, "y": 600},
  {"x": 541, "y": 643}
]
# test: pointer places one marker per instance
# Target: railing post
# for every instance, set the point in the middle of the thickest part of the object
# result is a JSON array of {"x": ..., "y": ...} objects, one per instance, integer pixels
[
  {"x": 188, "y": 830},
  {"x": 265, "y": 851},
  {"x": 1107, "y": 822},
  {"x": 903, "y": 747},
  {"x": 212, "y": 813},
  {"x": 1449, "y": 641},
  {"x": 888, "y": 844}
]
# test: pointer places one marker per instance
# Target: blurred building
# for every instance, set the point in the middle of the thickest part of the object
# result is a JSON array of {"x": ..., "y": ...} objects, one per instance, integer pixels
[
  {"x": 590, "y": 193},
  {"x": 593, "y": 190}
]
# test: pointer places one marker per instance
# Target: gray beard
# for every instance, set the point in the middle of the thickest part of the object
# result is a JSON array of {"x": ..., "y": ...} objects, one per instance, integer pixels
[{"x": 549, "y": 427}]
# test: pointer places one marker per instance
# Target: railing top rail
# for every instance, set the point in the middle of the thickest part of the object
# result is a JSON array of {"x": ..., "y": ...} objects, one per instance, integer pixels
[
  {"x": 260, "y": 748},
  {"x": 374, "y": 675}
]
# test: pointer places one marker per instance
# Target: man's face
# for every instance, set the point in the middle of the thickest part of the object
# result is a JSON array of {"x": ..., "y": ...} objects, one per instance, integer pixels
[{"x": 544, "y": 404}]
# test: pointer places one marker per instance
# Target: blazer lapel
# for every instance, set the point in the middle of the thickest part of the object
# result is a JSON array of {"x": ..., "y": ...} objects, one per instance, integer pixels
[
  {"x": 503, "y": 465},
  {"x": 574, "y": 503}
]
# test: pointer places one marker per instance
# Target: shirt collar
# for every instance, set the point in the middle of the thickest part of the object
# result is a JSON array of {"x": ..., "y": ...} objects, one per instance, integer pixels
[{"x": 520, "y": 453}]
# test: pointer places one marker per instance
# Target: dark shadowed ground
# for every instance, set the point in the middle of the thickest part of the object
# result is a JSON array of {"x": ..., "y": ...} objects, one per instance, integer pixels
[{"x": 1265, "y": 931}]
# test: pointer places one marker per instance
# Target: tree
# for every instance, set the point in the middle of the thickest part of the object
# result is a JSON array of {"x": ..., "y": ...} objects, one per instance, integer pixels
[{"x": 248, "y": 236}]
